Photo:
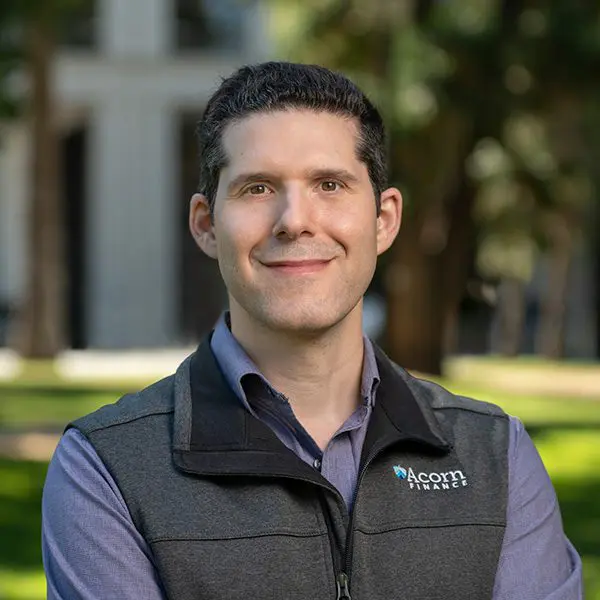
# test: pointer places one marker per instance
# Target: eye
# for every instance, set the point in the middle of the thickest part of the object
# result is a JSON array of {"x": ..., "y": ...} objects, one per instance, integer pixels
[
  {"x": 330, "y": 186},
  {"x": 258, "y": 189}
]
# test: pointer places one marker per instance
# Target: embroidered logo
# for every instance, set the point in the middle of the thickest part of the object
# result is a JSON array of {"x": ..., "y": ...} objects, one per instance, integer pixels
[
  {"x": 421, "y": 480},
  {"x": 400, "y": 472}
]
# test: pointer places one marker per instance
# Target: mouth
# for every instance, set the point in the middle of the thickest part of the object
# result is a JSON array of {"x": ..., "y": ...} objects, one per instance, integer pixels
[{"x": 298, "y": 267}]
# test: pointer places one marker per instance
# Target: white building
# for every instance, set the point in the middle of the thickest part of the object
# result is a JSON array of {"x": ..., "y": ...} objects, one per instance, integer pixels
[{"x": 130, "y": 87}]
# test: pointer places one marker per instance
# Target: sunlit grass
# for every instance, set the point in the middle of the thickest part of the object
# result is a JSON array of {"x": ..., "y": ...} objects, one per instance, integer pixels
[
  {"x": 43, "y": 409},
  {"x": 535, "y": 409},
  {"x": 22, "y": 584},
  {"x": 591, "y": 577},
  {"x": 570, "y": 455}
]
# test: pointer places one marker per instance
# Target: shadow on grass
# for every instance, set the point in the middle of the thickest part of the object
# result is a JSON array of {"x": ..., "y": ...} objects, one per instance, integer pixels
[
  {"x": 20, "y": 513},
  {"x": 580, "y": 508}
]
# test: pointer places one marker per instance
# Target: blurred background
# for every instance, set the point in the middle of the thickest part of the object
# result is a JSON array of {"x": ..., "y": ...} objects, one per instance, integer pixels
[{"x": 493, "y": 111}]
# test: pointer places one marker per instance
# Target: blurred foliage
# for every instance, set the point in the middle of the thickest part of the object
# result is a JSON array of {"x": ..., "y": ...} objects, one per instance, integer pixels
[
  {"x": 519, "y": 74},
  {"x": 15, "y": 18}
]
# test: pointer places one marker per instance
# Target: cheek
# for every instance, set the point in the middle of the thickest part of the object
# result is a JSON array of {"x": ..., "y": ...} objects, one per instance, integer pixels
[
  {"x": 355, "y": 218},
  {"x": 358, "y": 235},
  {"x": 237, "y": 233}
]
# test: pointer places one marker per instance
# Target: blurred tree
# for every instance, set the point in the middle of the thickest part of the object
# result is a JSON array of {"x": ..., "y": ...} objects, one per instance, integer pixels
[
  {"x": 482, "y": 100},
  {"x": 9, "y": 59},
  {"x": 28, "y": 34}
]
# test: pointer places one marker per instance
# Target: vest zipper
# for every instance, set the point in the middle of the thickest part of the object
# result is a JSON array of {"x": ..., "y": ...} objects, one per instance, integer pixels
[
  {"x": 343, "y": 589},
  {"x": 347, "y": 559},
  {"x": 341, "y": 579},
  {"x": 341, "y": 560}
]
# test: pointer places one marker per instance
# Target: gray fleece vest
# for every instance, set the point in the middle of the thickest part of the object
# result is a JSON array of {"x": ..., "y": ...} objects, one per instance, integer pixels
[{"x": 230, "y": 513}]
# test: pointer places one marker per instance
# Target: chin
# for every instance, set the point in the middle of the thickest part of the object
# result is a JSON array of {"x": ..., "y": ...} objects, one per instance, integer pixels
[
  {"x": 301, "y": 314},
  {"x": 309, "y": 321}
]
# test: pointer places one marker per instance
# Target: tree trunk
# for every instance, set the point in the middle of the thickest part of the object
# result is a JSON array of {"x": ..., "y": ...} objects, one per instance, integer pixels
[
  {"x": 565, "y": 126},
  {"x": 551, "y": 329},
  {"x": 40, "y": 327},
  {"x": 429, "y": 266},
  {"x": 510, "y": 317},
  {"x": 415, "y": 315},
  {"x": 424, "y": 289},
  {"x": 457, "y": 260}
]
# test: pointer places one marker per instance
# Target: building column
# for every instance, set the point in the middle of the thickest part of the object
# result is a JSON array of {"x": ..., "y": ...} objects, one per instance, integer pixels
[
  {"x": 132, "y": 224},
  {"x": 14, "y": 201},
  {"x": 135, "y": 28}
]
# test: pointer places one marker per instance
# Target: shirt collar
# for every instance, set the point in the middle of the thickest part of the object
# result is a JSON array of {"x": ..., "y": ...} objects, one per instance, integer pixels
[{"x": 236, "y": 364}]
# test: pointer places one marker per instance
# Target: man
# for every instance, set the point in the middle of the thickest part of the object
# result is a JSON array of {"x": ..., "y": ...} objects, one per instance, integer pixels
[{"x": 288, "y": 457}]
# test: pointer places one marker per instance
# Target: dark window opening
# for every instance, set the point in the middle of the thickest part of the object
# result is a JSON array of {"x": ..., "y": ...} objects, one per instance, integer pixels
[
  {"x": 80, "y": 27},
  {"x": 206, "y": 24},
  {"x": 74, "y": 163},
  {"x": 202, "y": 294}
]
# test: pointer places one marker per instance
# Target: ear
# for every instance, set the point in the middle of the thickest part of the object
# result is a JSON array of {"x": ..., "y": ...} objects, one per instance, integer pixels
[
  {"x": 389, "y": 219},
  {"x": 201, "y": 225}
]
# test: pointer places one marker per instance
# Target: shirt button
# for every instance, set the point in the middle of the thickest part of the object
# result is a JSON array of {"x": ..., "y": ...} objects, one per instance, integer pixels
[{"x": 317, "y": 463}]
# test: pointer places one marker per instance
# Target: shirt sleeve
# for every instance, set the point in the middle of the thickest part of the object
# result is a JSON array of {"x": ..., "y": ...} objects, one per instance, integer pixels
[
  {"x": 537, "y": 561},
  {"x": 90, "y": 546}
]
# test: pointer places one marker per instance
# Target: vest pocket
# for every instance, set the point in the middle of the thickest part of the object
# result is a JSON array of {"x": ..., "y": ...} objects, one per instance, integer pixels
[
  {"x": 266, "y": 567},
  {"x": 438, "y": 563}
]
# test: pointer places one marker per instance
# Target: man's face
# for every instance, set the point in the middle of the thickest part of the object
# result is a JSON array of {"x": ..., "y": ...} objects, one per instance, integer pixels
[{"x": 295, "y": 227}]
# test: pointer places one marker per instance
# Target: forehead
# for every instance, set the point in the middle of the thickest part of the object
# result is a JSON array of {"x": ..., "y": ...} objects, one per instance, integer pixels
[{"x": 291, "y": 139}]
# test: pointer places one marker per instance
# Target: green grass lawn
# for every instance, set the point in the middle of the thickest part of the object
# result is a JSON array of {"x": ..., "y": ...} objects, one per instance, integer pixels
[
  {"x": 48, "y": 408},
  {"x": 566, "y": 432}
]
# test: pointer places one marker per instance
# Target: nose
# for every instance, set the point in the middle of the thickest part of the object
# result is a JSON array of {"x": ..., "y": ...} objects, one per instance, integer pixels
[{"x": 295, "y": 216}]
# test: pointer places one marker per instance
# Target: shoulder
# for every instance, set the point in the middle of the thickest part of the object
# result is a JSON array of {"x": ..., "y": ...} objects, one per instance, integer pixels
[
  {"x": 75, "y": 461},
  {"x": 156, "y": 399},
  {"x": 440, "y": 399}
]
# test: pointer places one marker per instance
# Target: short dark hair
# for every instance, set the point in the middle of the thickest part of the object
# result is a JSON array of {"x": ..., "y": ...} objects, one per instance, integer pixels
[{"x": 273, "y": 86}]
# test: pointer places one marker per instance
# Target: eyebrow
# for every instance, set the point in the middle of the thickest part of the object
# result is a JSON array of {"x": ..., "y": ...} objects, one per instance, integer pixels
[
  {"x": 245, "y": 178},
  {"x": 342, "y": 174}
]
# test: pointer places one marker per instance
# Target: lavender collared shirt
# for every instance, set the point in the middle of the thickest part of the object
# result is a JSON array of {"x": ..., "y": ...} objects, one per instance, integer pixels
[
  {"x": 339, "y": 462},
  {"x": 93, "y": 551}
]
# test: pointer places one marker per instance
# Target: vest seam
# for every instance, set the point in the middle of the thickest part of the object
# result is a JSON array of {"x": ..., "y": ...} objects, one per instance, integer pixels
[
  {"x": 430, "y": 525},
  {"x": 441, "y": 390},
  {"x": 123, "y": 422},
  {"x": 233, "y": 537},
  {"x": 223, "y": 449},
  {"x": 471, "y": 410}
]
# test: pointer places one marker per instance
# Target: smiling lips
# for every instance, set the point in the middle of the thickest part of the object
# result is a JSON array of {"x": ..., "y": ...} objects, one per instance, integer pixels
[{"x": 298, "y": 267}]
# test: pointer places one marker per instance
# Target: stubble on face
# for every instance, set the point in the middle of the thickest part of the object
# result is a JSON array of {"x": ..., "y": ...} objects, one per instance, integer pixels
[{"x": 295, "y": 221}]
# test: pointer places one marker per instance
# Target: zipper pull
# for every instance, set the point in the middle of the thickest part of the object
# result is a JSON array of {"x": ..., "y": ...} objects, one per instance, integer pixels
[{"x": 343, "y": 589}]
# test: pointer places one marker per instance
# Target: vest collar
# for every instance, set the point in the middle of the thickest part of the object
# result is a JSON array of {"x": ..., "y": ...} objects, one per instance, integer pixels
[{"x": 215, "y": 435}]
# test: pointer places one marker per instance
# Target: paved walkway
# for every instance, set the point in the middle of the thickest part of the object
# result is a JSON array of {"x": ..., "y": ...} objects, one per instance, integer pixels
[
  {"x": 28, "y": 445},
  {"x": 81, "y": 365},
  {"x": 91, "y": 365},
  {"x": 563, "y": 380}
]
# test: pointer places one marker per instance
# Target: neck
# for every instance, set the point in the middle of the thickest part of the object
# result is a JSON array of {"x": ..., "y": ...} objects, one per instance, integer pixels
[{"x": 320, "y": 374}]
